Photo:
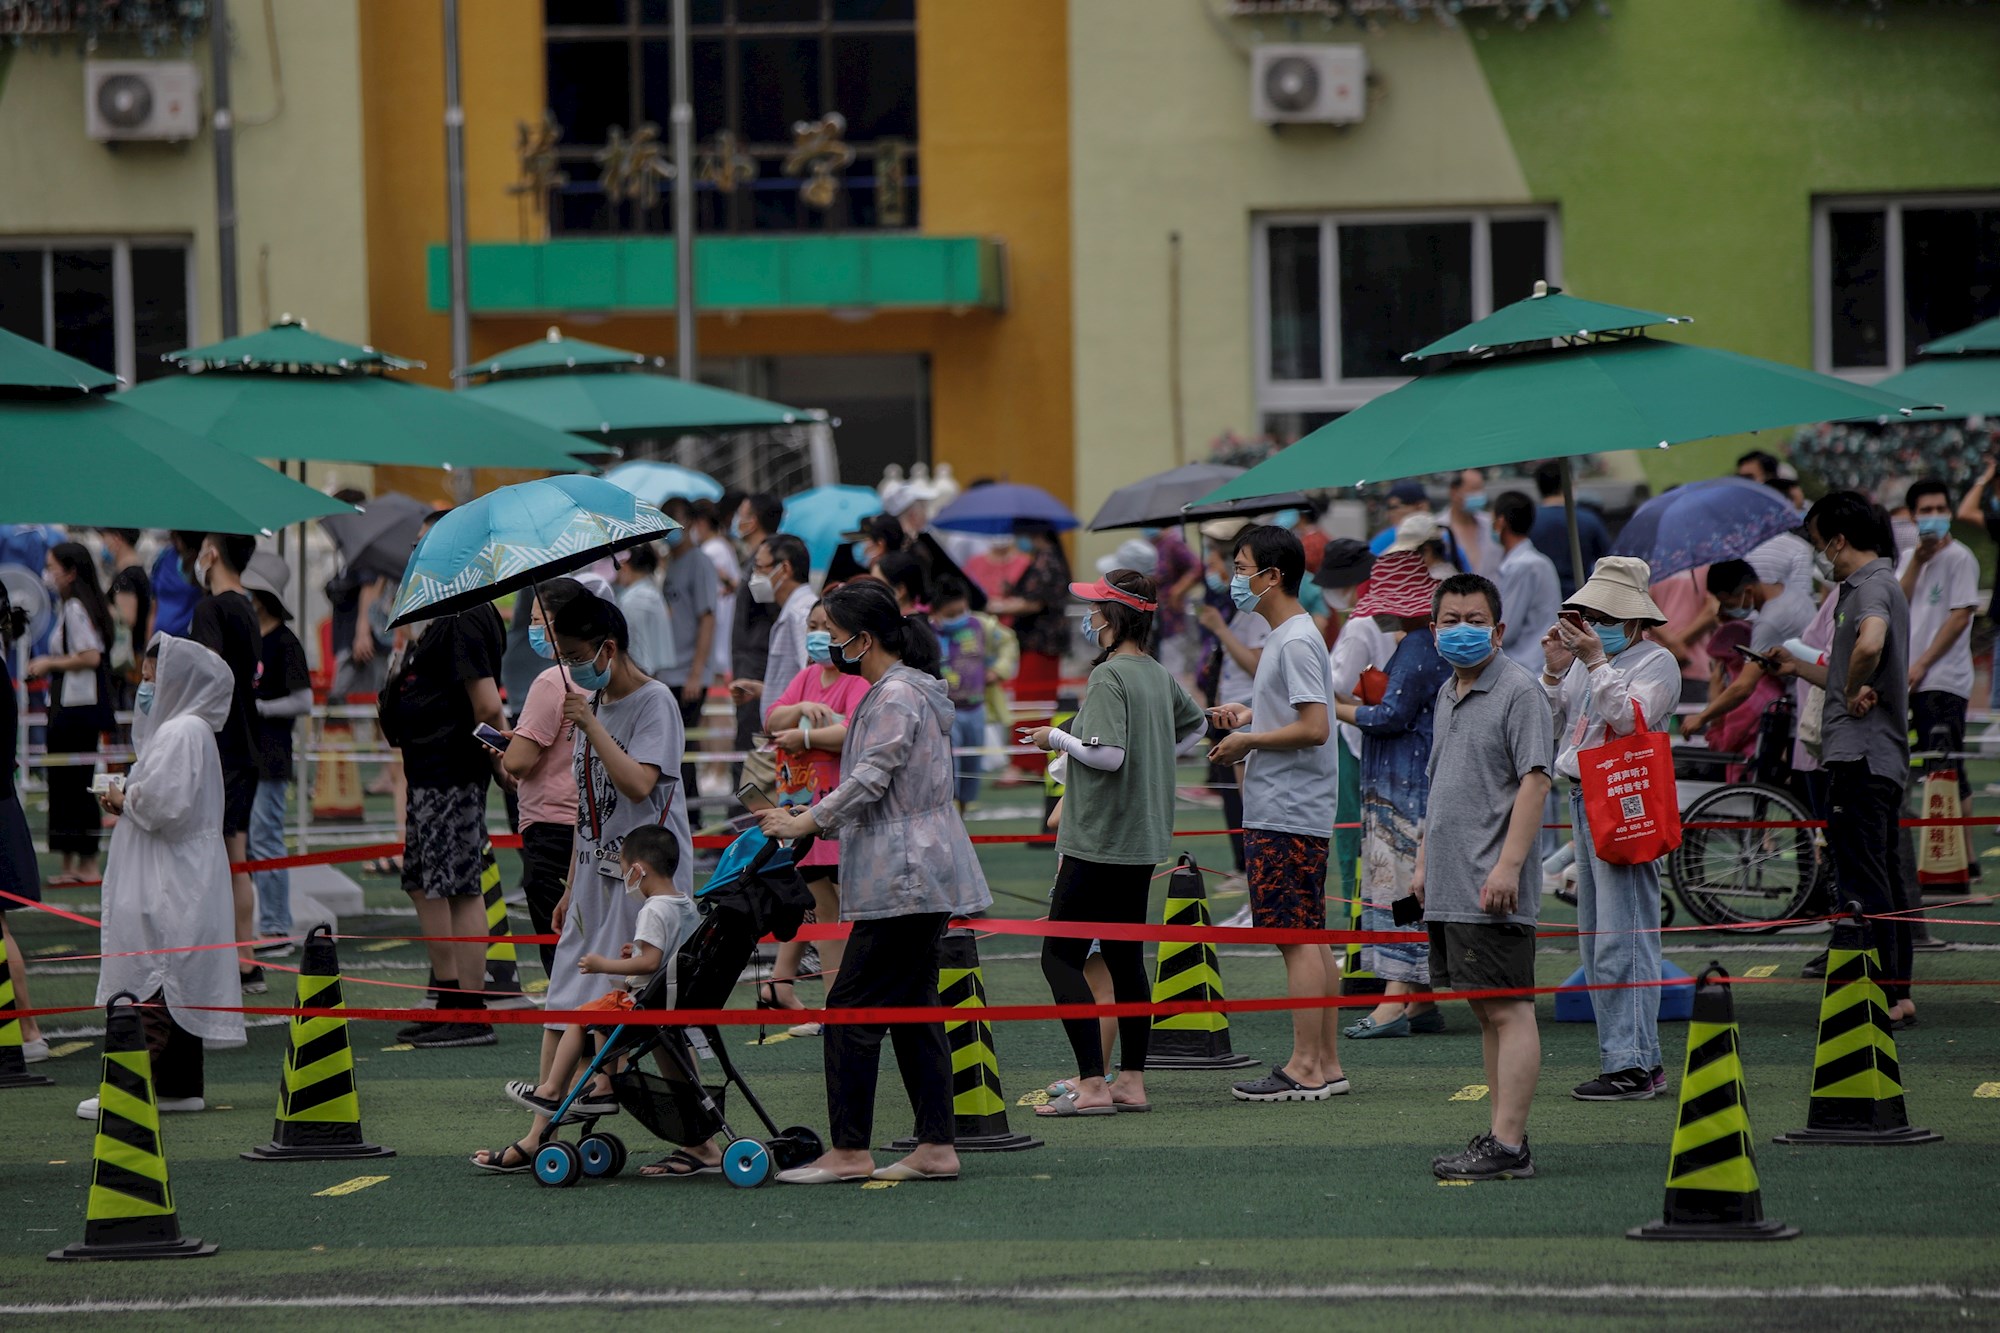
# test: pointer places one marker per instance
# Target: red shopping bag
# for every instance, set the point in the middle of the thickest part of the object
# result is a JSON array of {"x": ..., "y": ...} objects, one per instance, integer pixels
[{"x": 1629, "y": 796}]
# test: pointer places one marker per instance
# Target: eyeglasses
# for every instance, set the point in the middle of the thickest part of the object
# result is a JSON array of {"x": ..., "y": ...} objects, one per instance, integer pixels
[{"x": 583, "y": 661}]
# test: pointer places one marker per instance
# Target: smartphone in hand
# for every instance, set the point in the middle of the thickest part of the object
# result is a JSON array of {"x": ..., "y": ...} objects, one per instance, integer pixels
[{"x": 491, "y": 737}]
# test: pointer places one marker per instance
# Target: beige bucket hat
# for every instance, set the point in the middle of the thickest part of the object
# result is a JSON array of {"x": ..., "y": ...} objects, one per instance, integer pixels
[{"x": 1618, "y": 588}]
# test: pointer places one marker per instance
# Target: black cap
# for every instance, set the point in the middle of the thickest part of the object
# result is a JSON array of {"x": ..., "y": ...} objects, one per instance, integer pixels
[{"x": 1346, "y": 563}]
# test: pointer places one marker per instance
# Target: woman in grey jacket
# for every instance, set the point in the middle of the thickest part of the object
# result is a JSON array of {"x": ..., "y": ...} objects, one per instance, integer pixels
[{"x": 906, "y": 868}]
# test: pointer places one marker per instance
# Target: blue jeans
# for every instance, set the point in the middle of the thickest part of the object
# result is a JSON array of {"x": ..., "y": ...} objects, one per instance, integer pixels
[
  {"x": 968, "y": 731},
  {"x": 1623, "y": 902},
  {"x": 267, "y": 839}
]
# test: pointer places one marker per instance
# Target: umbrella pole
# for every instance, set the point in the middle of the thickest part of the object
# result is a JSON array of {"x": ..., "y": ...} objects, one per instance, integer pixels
[{"x": 1577, "y": 572}]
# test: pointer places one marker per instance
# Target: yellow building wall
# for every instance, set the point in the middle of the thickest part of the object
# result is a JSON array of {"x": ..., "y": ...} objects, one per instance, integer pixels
[
  {"x": 302, "y": 244},
  {"x": 993, "y": 125},
  {"x": 1162, "y": 140}
]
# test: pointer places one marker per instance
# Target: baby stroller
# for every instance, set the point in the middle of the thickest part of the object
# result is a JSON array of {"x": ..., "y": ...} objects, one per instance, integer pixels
[{"x": 755, "y": 891}]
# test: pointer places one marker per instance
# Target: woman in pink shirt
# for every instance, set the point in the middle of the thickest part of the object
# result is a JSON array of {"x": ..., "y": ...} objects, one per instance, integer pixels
[
  {"x": 808, "y": 726},
  {"x": 539, "y": 758}
]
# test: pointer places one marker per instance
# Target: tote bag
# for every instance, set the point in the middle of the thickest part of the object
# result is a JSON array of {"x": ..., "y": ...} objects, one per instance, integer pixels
[{"x": 1629, "y": 796}]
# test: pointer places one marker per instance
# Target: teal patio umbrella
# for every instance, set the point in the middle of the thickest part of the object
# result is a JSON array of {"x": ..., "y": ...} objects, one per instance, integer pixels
[
  {"x": 517, "y": 535},
  {"x": 291, "y": 393},
  {"x": 606, "y": 393},
  {"x": 818, "y": 517},
  {"x": 1961, "y": 372},
  {"x": 74, "y": 454},
  {"x": 1552, "y": 376}
]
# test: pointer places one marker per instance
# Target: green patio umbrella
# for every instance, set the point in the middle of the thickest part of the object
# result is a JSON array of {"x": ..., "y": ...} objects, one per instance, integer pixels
[
  {"x": 75, "y": 455},
  {"x": 1961, "y": 371},
  {"x": 292, "y": 393},
  {"x": 1553, "y": 377},
  {"x": 607, "y": 393}
]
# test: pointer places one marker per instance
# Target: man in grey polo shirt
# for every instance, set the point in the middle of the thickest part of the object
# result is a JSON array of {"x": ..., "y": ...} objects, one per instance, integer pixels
[
  {"x": 1864, "y": 735},
  {"x": 1492, "y": 743}
]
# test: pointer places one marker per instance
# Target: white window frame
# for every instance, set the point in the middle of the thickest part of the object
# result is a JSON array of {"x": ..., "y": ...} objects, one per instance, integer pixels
[
  {"x": 1892, "y": 205},
  {"x": 121, "y": 286},
  {"x": 1332, "y": 393}
]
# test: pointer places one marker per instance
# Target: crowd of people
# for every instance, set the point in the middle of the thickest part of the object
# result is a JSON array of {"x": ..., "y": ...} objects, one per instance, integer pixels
[{"x": 1345, "y": 690}]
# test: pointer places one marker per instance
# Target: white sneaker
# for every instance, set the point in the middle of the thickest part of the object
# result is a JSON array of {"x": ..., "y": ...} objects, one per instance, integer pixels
[
  {"x": 1241, "y": 919},
  {"x": 36, "y": 1051},
  {"x": 87, "y": 1108}
]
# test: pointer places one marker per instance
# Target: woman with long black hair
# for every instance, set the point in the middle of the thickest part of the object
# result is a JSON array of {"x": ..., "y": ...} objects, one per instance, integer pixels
[
  {"x": 906, "y": 868},
  {"x": 1118, "y": 823},
  {"x": 79, "y": 704}
]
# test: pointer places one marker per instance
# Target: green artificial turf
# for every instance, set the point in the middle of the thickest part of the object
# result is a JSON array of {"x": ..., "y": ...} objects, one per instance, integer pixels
[{"x": 1206, "y": 1192}]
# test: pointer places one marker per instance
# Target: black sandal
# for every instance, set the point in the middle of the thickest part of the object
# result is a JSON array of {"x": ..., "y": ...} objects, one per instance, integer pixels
[
  {"x": 496, "y": 1162},
  {"x": 767, "y": 994},
  {"x": 689, "y": 1165}
]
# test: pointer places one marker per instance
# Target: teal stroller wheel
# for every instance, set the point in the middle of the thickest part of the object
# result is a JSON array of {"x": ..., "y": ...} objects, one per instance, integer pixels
[
  {"x": 746, "y": 1164},
  {"x": 602, "y": 1155},
  {"x": 558, "y": 1164}
]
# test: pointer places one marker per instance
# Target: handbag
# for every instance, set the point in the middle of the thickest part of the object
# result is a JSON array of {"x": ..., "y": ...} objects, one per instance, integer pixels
[{"x": 1629, "y": 797}]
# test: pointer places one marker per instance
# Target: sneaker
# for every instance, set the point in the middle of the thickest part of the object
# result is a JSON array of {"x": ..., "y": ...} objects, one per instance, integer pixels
[
  {"x": 273, "y": 948},
  {"x": 253, "y": 981},
  {"x": 1815, "y": 967},
  {"x": 1241, "y": 919},
  {"x": 1485, "y": 1159},
  {"x": 87, "y": 1108},
  {"x": 409, "y": 1032},
  {"x": 36, "y": 1051},
  {"x": 1627, "y": 1085},
  {"x": 1659, "y": 1074},
  {"x": 455, "y": 1034},
  {"x": 1278, "y": 1086}
]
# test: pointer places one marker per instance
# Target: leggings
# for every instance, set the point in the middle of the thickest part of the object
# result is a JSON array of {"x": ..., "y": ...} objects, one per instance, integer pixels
[
  {"x": 1094, "y": 891},
  {"x": 75, "y": 821}
]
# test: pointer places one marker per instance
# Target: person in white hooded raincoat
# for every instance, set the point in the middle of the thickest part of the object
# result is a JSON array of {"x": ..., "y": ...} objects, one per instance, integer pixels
[{"x": 166, "y": 881}]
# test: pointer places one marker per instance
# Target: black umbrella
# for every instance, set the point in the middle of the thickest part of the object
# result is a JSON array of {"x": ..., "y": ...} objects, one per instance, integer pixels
[
  {"x": 377, "y": 540},
  {"x": 1159, "y": 501}
]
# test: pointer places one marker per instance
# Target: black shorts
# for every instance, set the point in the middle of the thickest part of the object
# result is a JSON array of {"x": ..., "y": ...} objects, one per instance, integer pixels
[
  {"x": 1287, "y": 875},
  {"x": 239, "y": 793},
  {"x": 444, "y": 841},
  {"x": 1480, "y": 955}
]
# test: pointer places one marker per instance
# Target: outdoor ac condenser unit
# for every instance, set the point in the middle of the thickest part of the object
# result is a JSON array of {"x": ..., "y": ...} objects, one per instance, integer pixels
[
  {"x": 1308, "y": 83},
  {"x": 141, "y": 99}
]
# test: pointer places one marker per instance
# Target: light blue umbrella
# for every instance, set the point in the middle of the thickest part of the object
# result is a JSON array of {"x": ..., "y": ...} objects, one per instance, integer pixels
[
  {"x": 819, "y": 516},
  {"x": 657, "y": 483},
  {"x": 517, "y": 535},
  {"x": 1724, "y": 518}
]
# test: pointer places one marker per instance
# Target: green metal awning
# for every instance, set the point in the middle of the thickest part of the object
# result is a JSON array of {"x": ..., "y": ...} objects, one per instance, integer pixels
[{"x": 866, "y": 271}]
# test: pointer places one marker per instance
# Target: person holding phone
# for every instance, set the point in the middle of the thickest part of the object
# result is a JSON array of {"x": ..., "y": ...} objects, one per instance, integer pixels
[
  {"x": 1599, "y": 673},
  {"x": 537, "y": 755},
  {"x": 808, "y": 729},
  {"x": 1775, "y": 612}
]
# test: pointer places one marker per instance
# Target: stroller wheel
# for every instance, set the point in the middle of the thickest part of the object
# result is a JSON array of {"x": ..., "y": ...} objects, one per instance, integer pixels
[
  {"x": 601, "y": 1154},
  {"x": 797, "y": 1146},
  {"x": 746, "y": 1164},
  {"x": 558, "y": 1164}
]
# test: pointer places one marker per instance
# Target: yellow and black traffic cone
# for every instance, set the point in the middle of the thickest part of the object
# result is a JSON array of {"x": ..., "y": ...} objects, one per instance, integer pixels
[
  {"x": 1187, "y": 970},
  {"x": 131, "y": 1210},
  {"x": 319, "y": 1109},
  {"x": 1857, "y": 1089},
  {"x": 1354, "y": 978},
  {"x": 978, "y": 1108},
  {"x": 1712, "y": 1189},
  {"x": 503, "y": 971},
  {"x": 13, "y": 1066}
]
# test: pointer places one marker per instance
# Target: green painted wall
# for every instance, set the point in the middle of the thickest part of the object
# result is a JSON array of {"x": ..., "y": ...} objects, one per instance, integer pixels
[{"x": 1686, "y": 140}]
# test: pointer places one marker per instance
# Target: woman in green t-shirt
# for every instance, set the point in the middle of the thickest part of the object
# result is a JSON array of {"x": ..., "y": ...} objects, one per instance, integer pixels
[{"x": 1117, "y": 825}]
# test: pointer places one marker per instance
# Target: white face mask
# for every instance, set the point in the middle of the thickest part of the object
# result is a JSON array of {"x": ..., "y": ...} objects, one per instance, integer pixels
[
  {"x": 761, "y": 589},
  {"x": 635, "y": 879}
]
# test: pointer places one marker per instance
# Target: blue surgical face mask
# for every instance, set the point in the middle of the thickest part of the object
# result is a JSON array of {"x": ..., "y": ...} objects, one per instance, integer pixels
[
  {"x": 1465, "y": 645},
  {"x": 1285, "y": 518},
  {"x": 1737, "y": 613},
  {"x": 144, "y": 697},
  {"x": 736, "y": 528},
  {"x": 1216, "y": 583},
  {"x": 1149, "y": 533},
  {"x": 1089, "y": 626},
  {"x": 538, "y": 640},
  {"x": 1475, "y": 503},
  {"x": 1025, "y": 544},
  {"x": 859, "y": 550},
  {"x": 1614, "y": 638},
  {"x": 677, "y": 536},
  {"x": 1239, "y": 592},
  {"x": 1934, "y": 526},
  {"x": 591, "y": 676},
  {"x": 819, "y": 646}
]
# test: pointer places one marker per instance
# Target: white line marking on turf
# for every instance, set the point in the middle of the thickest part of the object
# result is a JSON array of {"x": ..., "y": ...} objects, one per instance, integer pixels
[{"x": 961, "y": 1295}]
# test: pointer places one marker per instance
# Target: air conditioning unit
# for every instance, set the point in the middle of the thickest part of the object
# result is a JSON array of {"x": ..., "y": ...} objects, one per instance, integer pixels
[
  {"x": 141, "y": 99},
  {"x": 1308, "y": 83}
]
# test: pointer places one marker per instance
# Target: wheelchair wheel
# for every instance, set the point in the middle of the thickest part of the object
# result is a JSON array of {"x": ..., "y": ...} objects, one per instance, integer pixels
[
  {"x": 1745, "y": 876},
  {"x": 746, "y": 1164}
]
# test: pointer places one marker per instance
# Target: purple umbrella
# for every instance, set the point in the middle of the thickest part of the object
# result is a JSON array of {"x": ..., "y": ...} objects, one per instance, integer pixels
[{"x": 1703, "y": 522}]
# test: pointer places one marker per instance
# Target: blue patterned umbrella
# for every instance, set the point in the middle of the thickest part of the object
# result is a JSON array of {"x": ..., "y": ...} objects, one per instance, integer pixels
[
  {"x": 1703, "y": 522},
  {"x": 519, "y": 534}
]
